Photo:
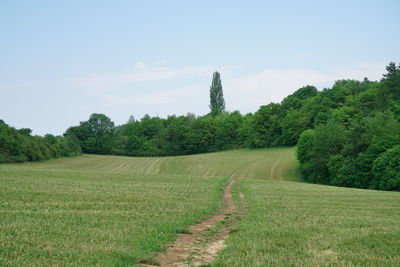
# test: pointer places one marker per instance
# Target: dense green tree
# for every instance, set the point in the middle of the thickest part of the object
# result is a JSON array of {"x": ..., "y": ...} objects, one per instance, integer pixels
[
  {"x": 386, "y": 170},
  {"x": 19, "y": 145},
  {"x": 202, "y": 136},
  {"x": 265, "y": 127},
  {"x": 100, "y": 125},
  {"x": 292, "y": 125},
  {"x": 177, "y": 130},
  {"x": 388, "y": 97},
  {"x": 95, "y": 135},
  {"x": 82, "y": 133},
  {"x": 131, "y": 119},
  {"x": 149, "y": 127},
  {"x": 244, "y": 131},
  {"x": 227, "y": 132},
  {"x": 390, "y": 86},
  {"x": 332, "y": 154},
  {"x": 304, "y": 147},
  {"x": 217, "y": 101},
  {"x": 25, "y": 131},
  {"x": 368, "y": 138},
  {"x": 317, "y": 148}
]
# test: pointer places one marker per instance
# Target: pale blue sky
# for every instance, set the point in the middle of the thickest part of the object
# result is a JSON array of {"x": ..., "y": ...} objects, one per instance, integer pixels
[{"x": 60, "y": 61}]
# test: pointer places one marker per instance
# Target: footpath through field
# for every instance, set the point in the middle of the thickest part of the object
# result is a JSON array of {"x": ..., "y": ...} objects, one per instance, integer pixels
[{"x": 203, "y": 242}]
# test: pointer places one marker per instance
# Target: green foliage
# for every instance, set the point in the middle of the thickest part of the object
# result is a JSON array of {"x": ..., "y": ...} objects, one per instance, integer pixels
[
  {"x": 217, "y": 102},
  {"x": 244, "y": 130},
  {"x": 292, "y": 125},
  {"x": 315, "y": 149},
  {"x": 367, "y": 140},
  {"x": 265, "y": 128},
  {"x": 95, "y": 135},
  {"x": 228, "y": 130},
  {"x": 367, "y": 125},
  {"x": 304, "y": 153},
  {"x": 389, "y": 93},
  {"x": 19, "y": 145},
  {"x": 176, "y": 132},
  {"x": 201, "y": 137},
  {"x": 154, "y": 136},
  {"x": 332, "y": 154},
  {"x": 386, "y": 170}
]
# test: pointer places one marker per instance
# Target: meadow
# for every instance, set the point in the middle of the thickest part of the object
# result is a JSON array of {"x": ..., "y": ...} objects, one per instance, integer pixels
[
  {"x": 299, "y": 224},
  {"x": 269, "y": 164},
  {"x": 118, "y": 211},
  {"x": 51, "y": 216}
]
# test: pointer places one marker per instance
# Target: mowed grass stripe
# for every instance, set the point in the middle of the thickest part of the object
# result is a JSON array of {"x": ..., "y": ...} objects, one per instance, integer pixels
[
  {"x": 270, "y": 164},
  {"x": 297, "y": 224},
  {"x": 74, "y": 218}
]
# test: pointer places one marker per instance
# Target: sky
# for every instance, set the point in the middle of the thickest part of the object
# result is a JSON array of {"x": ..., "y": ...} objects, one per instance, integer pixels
[{"x": 61, "y": 61}]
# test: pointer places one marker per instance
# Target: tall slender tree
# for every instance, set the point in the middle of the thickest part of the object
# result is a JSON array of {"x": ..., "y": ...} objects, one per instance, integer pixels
[
  {"x": 131, "y": 119},
  {"x": 217, "y": 102}
]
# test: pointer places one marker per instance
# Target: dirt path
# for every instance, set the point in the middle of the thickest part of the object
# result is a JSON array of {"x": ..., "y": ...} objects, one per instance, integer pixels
[{"x": 207, "y": 238}]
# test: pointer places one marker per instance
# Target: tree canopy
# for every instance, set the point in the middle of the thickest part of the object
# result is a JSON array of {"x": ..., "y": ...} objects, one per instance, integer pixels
[
  {"x": 95, "y": 135},
  {"x": 20, "y": 145}
]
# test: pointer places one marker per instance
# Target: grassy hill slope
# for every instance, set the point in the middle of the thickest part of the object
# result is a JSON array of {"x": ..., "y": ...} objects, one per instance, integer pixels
[
  {"x": 270, "y": 164},
  {"x": 110, "y": 210}
]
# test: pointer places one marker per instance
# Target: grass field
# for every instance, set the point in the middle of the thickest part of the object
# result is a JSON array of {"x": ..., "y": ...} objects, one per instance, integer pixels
[
  {"x": 52, "y": 216},
  {"x": 270, "y": 164},
  {"x": 298, "y": 224},
  {"x": 109, "y": 210}
]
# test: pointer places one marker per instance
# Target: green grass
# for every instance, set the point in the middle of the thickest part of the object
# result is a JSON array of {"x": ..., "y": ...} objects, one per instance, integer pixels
[
  {"x": 115, "y": 211},
  {"x": 52, "y": 216},
  {"x": 270, "y": 164},
  {"x": 297, "y": 224}
]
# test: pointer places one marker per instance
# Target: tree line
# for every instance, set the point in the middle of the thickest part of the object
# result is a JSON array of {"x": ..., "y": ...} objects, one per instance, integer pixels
[
  {"x": 359, "y": 143},
  {"x": 19, "y": 145},
  {"x": 347, "y": 135}
]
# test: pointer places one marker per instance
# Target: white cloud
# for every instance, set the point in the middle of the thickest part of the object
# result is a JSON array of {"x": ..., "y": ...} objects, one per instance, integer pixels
[
  {"x": 173, "y": 97},
  {"x": 248, "y": 93},
  {"x": 160, "y": 103},
  {"x": 268, "y": 86},
  {"x": 141, "y": 73},
  {"x": 244, "y": 93},
  {"x": 139, "y": 65},
  {"x": 371, "y": 71}
]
